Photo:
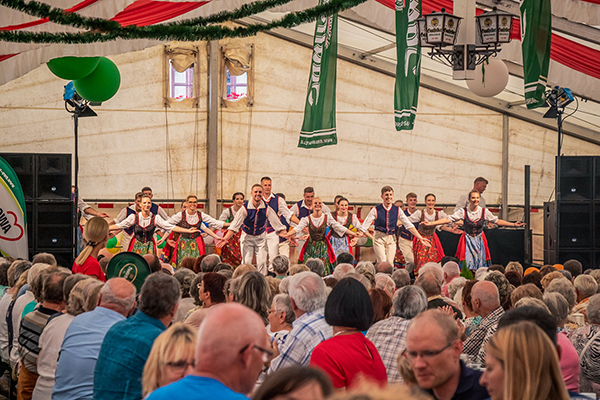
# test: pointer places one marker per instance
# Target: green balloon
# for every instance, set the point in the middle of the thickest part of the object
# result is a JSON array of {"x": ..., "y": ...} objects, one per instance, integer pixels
[
  {"x": 72, "y": 68},
  {"x": 112, "y": 242},
  {"x": 100, "y": 85},
  {"x": 163, "y": 244}
]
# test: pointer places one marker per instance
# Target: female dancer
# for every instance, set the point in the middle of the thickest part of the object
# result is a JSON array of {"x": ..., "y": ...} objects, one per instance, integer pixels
[
  {"x": 192, "y": 244},
  {"x": 341, "y": 243},
  {"x": 144, "y": 224},
  {"x": 435, "y": 252},
  {"x": 472, "y": 249},
  {"x": 317, "y": 245},
  {"x": 231, "y": 253}
]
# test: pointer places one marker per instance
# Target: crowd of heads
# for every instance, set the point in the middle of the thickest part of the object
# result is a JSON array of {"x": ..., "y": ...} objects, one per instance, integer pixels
[{"x": 510, "y": 325}]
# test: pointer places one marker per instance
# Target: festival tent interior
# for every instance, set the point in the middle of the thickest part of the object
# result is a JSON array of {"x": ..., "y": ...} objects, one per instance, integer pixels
[{"x": 113, "y": 148}]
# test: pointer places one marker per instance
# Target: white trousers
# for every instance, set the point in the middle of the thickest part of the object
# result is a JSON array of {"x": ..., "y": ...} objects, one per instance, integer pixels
[
  {"x": 406, "y": 247},
  {"x": 384, "y": 247},
  {"x": 272, "y": 247},
  {"x": 250, "y": 246}
]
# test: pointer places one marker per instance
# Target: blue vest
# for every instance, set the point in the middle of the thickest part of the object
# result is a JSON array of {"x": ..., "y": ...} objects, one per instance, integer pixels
[
  {"x": 254, "y": 223},
  {"x": 404, "y": 233},
  {"x": 154, "y": 209},
  {"x": 274, "y": 204},
  {"x": 129, "y": 230},
  {"x": 302, "y": 211},
  {"x": 386, "y": 221}
]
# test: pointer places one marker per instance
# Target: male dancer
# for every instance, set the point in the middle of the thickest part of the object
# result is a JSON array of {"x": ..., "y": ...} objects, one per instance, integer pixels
[
  {"x": 386, "y": 217},
  {"x": 405, "y": 242},
  {"x": 252, "y": 220},
  {"x": 280, "y": 207}
]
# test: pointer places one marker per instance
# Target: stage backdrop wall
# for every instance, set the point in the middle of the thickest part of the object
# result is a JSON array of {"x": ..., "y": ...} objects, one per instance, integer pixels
[{"x": 128, "y": 145}]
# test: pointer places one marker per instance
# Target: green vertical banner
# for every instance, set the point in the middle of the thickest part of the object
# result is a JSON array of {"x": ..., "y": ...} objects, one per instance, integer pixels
[
  {"x": 13, "y": 217},
  {"x": 536, "y": 34},
  {"x": 408, "y": 67},
  {"x": 318, "y": 128}
]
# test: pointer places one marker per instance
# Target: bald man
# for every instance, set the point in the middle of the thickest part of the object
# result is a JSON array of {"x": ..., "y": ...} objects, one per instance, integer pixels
[
  {"x": 433, "y": 349},
  {"x": 485, "y": 301},
  {"x": 231, "y": 350}
]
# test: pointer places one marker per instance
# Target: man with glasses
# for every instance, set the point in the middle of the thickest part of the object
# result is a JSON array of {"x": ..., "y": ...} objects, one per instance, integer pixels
[
  {"x": 433, "y": 349},
  {"x": 231, "y": 351}
]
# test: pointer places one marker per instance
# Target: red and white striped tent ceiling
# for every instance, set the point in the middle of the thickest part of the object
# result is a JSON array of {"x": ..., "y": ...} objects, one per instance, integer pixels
[{"x": 575, "y": 61}]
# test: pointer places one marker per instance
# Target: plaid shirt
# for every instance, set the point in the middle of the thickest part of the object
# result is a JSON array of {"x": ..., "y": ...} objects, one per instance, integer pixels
[
  {"x": 475, "y": 343},
  {"x": 308, "y": 331},
  {"x": 389, "y": 337}
]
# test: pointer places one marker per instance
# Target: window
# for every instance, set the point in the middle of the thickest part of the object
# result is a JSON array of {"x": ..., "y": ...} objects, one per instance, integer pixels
[
  {"x": 181, "y": 83},
  {"x": 237, "y": 86}
]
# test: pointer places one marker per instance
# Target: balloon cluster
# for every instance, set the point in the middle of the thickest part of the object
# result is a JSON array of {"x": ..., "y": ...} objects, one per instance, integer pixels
[{"x": 95, "y": 78}]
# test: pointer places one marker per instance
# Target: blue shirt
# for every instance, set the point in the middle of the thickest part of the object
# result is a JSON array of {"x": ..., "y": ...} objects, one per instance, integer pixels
[
  {"x": 124, "y": 351},
  {"x": 195, "y": 387},
  {"x": 468, "y": 386},
  {"x": 79, "y": 352}
]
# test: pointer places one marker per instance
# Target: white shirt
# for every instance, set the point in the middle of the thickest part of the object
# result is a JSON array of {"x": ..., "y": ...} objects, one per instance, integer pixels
[
  {"x": 242, "y": 213},
  {"x": 283, "y": 208},
  {"x": 459, "y": 215},
  {"x": 463, "y": 201},
  {"x": 228, "y": 213},
  {"x": 82, "y": 206},
  {"x": 416, "y": 216},
  {"x": 16, "y": 319},
  {"x": 192, "y": 219},
  {"x": 372, "y": 216},
  {"x": 123, "y": 213},
  {"x": 339, "y": 228},
  {"x": 145, "y": 221},
  {"x": 355, "y": 222},
  {"x": 50, "y": 342},
  {"x": 296, "y": 211},
  {"x": 4, "y": 303}
]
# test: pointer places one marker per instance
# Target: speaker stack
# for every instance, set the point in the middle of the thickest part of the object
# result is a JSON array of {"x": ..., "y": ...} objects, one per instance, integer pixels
[
  {"x": 46, "y": 183},
  {"x": 572, "y": 223}
]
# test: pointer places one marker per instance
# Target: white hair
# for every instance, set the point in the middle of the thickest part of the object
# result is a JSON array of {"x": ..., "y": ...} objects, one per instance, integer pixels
[
  {"x": 307, "y": 289},
  {"x": 481, "y": 273},
  {"x": 586, "y": 285},
  {"x": 342, "y": 270},
  {"x": 455, "y": 285},
  {"x": 435, "y": 269},
  {"x": 385, "y": 282},
  {"x": 451, "y": 269}
]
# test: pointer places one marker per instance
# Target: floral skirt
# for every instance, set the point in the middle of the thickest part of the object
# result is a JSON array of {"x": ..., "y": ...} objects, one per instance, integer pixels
[
  {"x": 142, "y": 248},
  {"x": 339, "y": 245},
  {"x": 318, "y": 249},
  {"x": 473, "y": 252},
  {"x": 423, "y": 255},
  {"x": 231, "y": 253},
  {"x": 187, "y": 247}
]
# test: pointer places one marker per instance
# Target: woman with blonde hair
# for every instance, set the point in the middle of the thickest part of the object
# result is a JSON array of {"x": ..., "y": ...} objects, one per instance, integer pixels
[
  {"x": 95, "y": 236},
  {"x": 522, "y": 363},
  {"x": 171, "y": 357}
]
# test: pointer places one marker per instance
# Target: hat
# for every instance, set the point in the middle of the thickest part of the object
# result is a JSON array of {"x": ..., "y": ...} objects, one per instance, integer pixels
[
  {"x": 559, "y": 266},
  {"x": 130, "y": 266}
]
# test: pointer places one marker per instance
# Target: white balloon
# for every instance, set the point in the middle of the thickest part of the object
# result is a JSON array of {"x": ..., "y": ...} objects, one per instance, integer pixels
[{"x": 496, "y": 79}]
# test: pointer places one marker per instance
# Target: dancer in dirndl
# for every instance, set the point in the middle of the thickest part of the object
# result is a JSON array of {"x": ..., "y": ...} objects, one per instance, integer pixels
[
  {"x": 231, "y": 253},
  {"x": 435, "y": 252},
  {"x": 342, "y": 243},
  {"x": 192, "y": 244},
  {"x": 317, "y": 244},
  {"x": 144, "y": 225},
  {"x": 473, "y": 251}
]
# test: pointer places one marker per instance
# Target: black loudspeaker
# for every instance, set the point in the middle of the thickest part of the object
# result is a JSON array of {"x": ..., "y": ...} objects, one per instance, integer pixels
[
  {"x": 46, "y": 182},
  {"x": 572, "y": 224}
]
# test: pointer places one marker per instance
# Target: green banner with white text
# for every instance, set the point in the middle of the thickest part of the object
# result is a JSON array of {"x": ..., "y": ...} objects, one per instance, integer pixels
[
  {"x": 318, "y": 128},
  {"x": 13, "y": 217},
  {"x": 536, "y": 34},
  {"x": 408, "y": 67}
]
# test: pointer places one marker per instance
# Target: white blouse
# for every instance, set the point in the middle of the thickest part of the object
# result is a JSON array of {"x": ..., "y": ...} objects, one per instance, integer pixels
[
  {"x": 193, "y": 219},
  {"x": 459, "y": 215},
  {"x": 144, "y": 222},
  {"x": 332, "y": 223}
]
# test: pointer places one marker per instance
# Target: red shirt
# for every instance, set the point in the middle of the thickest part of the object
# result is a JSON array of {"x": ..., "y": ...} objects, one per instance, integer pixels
[
  {"x": 343, "y": 357},
  {"x": 90, "y": 267}
]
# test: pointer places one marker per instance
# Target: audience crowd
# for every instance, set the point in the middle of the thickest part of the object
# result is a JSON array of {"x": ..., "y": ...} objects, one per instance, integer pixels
[{"x": 210, "y": 330}]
